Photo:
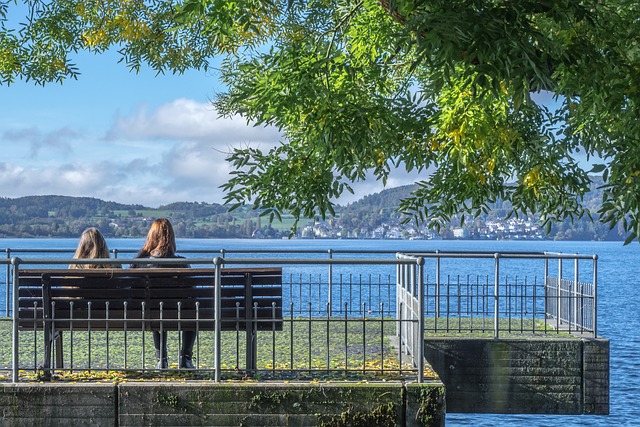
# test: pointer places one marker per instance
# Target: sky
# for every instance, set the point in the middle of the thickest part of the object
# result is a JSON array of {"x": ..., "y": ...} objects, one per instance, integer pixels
[{"x": 130, "y": 138}]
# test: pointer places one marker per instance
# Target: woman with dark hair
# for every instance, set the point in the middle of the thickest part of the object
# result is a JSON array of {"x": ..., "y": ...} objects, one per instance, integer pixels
[{"x": 161, "y": 243}]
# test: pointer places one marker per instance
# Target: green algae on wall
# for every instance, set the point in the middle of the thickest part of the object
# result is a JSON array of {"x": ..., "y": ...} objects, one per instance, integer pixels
[
  {"x": 431, "y": 405},
  {"x": 214, "y": 404},
  {"x": 381, "y": 415}
]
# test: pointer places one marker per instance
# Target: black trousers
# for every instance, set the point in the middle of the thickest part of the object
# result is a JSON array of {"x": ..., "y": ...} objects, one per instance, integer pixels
[{"x": 160, "y": 343}]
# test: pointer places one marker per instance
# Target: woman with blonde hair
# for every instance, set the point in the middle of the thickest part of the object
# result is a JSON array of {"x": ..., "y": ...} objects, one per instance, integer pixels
[
  {"x": 92, "y": 245},
  {"x": 161, "y": 243}
]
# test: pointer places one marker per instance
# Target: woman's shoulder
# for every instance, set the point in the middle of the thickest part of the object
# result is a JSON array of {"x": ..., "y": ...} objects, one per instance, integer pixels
[
  {"x": 179, "y": 265},
  {"x": 161, "y": 265},
  {"x": 142, "y": 254}
]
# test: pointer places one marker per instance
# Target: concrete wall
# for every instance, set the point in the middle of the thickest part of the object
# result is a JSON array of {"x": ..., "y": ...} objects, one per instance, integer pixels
[
  {"x": 223, "y": 404},
  {"x": 544, "y": 376},
  {"x": 51, "y": 404}
]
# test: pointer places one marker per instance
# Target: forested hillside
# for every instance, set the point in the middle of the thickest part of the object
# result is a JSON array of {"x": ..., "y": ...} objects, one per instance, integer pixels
[
  {"x": 374, "y": 216},
  {"x": 61, "y": 216},
  {"x": 376, "y": 209}
]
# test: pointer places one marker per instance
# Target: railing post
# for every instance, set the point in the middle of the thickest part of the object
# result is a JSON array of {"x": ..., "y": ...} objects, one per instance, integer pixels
[
  {"x": 595, "y": 296},
  {"x": 546, "y": 290},
  {"x": 15, "y": 356},
  {"x": 330, "y": 283},
  {"x": 217, "y": 262},
  {"x": 437, "y": 302},
  {"x": 412, "y": 331},
  {"x": 397, "y": 288},
  {"x": 8, "y": 285},
  {"x": 399, "y": 294},
  {"x": 558, "y": 297},
  {"x": 576, "y": 319},
  {"x": 420, "y": 344},
  {"x": 496, "y": 298}
]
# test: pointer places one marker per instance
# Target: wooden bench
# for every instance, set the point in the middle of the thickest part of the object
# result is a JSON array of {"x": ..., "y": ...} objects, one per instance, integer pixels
[{"x": 143, "y": 299}]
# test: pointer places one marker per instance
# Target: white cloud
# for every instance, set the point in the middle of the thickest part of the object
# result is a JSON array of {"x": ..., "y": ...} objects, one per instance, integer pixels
[
  {"x": 198, "y": 163},
  {"x": 186, "y": 145},
  {"x": 175, "y": 152},
  {"x": 58, "y": 140},
  {"x": 188, "y": 120},
  {"x": 67, "y": 179}
]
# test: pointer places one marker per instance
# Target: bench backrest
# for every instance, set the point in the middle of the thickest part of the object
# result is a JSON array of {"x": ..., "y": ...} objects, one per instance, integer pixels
[{"x": 118, "y": 299}]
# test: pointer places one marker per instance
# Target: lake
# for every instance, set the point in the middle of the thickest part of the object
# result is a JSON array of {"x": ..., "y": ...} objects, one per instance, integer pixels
[{"x": 618, "y": 317}]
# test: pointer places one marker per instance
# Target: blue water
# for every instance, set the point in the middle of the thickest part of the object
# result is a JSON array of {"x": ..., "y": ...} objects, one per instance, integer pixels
[{"x": 618, "y": 301}]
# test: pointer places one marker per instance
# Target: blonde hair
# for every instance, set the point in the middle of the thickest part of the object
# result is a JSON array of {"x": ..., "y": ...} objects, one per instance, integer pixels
[
  {"x": 92, "y": 245},
  {"x": 161, "y": 240}
]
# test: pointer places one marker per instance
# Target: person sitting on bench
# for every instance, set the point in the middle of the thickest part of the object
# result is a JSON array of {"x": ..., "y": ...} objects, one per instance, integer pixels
[{"x": 161, "y": 243}]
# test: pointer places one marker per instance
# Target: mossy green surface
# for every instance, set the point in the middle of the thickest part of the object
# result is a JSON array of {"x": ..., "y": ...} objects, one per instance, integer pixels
[
  {"x": 426, "y": 404},
  {"x": 380, "y": 415},
  {"x": 266, "y": 404}
]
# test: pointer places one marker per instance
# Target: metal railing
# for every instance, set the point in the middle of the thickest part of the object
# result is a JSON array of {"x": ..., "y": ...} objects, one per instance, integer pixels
[
  {"x": 300, "y": 282},
  {"x": 341, "y": 307},
  {"x": 497, "y": 293}
]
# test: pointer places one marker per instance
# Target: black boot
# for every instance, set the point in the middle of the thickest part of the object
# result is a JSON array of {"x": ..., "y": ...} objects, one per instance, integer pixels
[
  {"x": 160, "y": 343},
  {"x": 186, "y": 361},
  {"x": 162, "y": 363},
  {"x": 186, "y": 354}
]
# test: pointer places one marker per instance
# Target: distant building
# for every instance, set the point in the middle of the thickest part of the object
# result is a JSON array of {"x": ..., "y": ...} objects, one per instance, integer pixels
[{"x": 460, "y": 233}]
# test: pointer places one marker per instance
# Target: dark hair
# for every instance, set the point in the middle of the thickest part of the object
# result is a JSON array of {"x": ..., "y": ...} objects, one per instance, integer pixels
[{"x": 161, "y": 240}]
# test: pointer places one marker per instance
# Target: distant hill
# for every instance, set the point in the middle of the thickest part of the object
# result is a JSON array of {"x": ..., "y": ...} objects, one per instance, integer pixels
[
  {"x": 199, "y": 209},
  {"x": 64, "y": 216},
  {"x": 59, "y": 206},
  {"x": 386, "y": 199},
  {"x": 380, "y": 208}
]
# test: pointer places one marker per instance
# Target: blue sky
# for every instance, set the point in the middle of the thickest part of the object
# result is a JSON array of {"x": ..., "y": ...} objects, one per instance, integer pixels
[{"x": 125, "y": 137}]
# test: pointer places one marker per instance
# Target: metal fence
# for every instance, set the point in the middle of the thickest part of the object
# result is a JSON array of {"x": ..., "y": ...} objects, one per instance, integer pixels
[
  {"x": 344, "y": 310},
  {"x": 515, "y": 294}
]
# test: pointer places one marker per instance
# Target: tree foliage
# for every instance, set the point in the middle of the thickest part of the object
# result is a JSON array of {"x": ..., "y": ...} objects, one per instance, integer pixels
[{"x": 361, "y": 87}]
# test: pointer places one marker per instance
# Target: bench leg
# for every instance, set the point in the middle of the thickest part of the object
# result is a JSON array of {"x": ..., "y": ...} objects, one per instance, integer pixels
[
  {"x": 52, "y": 338},
  {"x": 252, "y": 352},
  {"x": 57, "y": 338},
  {"x": 48, "y": 342}
]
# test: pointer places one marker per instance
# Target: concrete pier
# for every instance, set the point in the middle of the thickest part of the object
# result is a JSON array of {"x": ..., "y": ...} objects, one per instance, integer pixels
[
  {"x": 223, "y": 404},
  {"x": 519, "y": 376}
]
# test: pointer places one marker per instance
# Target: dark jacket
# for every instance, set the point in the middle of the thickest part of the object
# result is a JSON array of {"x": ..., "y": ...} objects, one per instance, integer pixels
[{"x": 141, "y": 256}]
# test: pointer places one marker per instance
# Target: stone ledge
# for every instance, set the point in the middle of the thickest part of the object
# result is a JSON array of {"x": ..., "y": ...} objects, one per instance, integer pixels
[{"x": 217, "y": 404}]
